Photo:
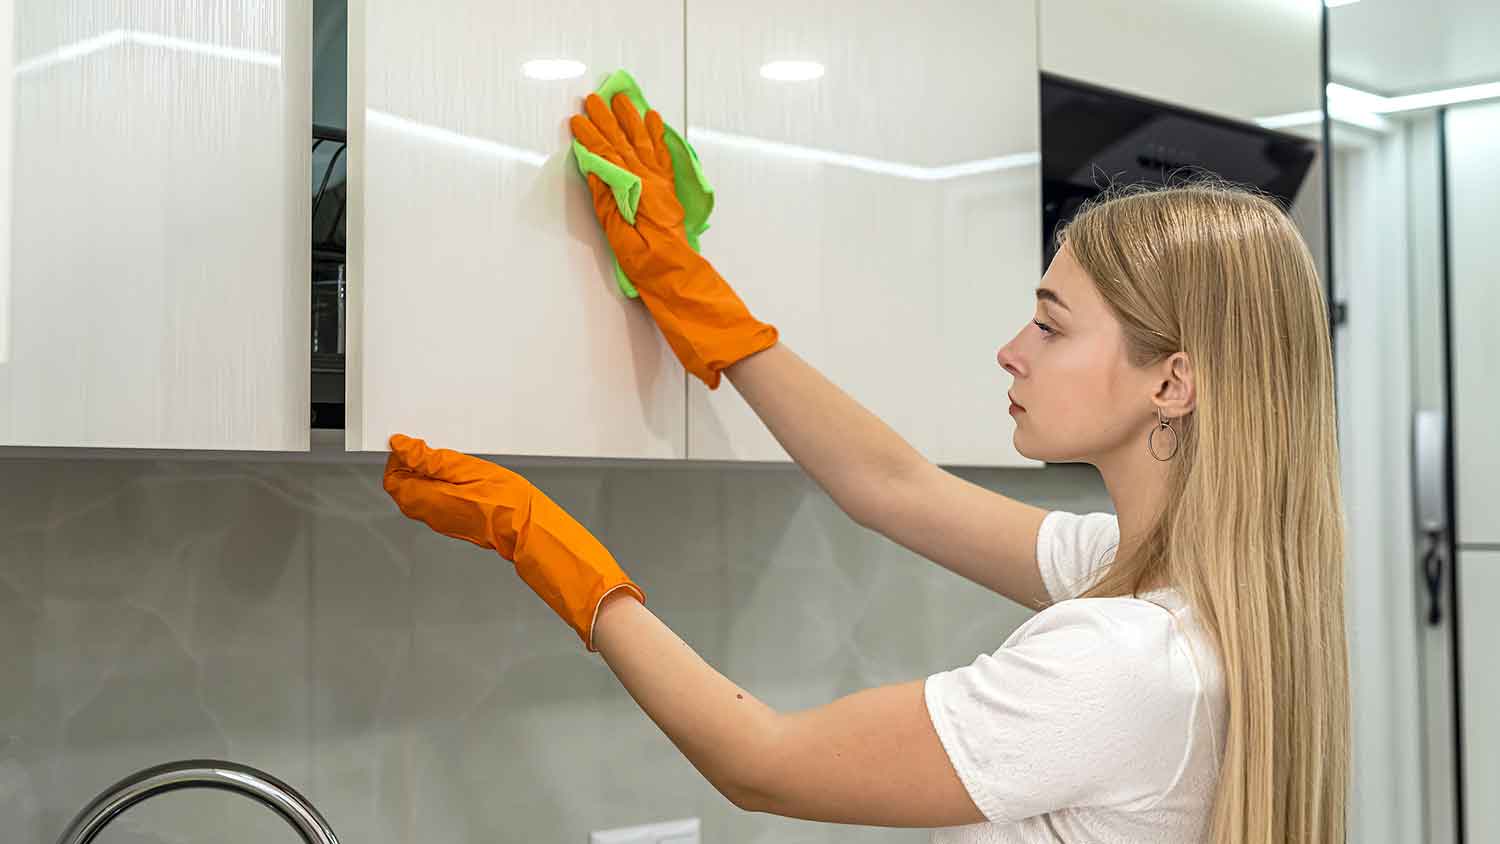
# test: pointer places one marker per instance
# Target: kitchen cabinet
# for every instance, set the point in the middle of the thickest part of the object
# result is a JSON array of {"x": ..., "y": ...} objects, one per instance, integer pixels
[
  {"x": 154, "y": 224},
  {"x": 1244, "y": 60},
  {"x": 1473, "y": 140},
  {"x": 483, "y": 311},
  {"x": 878, "y": 199},
  {"x": 1479, "y": 625}
]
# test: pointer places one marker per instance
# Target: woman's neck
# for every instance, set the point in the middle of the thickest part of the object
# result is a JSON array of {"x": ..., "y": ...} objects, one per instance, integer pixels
[{"x": 1137, "y": 484}]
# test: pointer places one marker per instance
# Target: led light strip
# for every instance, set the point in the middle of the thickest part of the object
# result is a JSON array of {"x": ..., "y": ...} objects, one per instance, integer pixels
[
  {"x": 1362, "y": 108},
  {"x": 1412, "y": 102}
]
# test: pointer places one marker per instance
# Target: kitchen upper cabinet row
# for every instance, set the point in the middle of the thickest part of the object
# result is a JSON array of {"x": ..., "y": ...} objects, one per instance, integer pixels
[{"x": 885, "y": 215}]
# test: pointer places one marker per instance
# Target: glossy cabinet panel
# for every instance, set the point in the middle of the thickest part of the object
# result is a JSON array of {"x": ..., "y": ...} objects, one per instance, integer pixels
[
  {"x": 154, "y": 223},
  {"x": 1473, "y": 134},
  {"x": 484, "y": 314},
  {"x": 1479, "y": 590},
  {"x": 1249, "y": 59},
  {"x": 884, "y": 215}
]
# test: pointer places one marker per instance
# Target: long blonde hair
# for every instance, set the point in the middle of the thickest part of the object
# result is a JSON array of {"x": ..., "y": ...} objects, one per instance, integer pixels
[{"x": 1251, "y": 533}]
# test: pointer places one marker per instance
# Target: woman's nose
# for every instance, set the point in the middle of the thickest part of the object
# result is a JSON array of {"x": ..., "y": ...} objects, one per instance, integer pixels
[{"x": 1008, "y": 359}]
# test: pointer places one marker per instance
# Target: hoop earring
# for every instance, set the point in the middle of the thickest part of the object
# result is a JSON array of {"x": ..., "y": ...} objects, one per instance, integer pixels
[{"x": 1163, "y": 423}]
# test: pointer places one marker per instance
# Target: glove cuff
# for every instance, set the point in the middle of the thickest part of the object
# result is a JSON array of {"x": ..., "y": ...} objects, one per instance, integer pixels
[
  {"x": 588, "y": 634},
  {"x": 706, "y": 323},
  {"x": 565, "y": 565}
]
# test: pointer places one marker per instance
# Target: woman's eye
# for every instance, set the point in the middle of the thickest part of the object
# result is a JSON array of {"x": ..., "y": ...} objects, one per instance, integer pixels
[{"x": 1046, "y": 329}]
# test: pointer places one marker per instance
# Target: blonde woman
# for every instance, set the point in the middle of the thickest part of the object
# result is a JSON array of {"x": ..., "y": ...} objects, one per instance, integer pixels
[{"x": 1185, "y": 678}]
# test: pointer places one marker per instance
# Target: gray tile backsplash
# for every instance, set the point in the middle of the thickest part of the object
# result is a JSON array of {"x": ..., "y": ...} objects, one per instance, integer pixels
[{"x": 285, "y": 615}]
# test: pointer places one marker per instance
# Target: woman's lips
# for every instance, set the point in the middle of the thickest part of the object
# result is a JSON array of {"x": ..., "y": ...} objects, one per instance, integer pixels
[{"x": 1015, "y": 408}]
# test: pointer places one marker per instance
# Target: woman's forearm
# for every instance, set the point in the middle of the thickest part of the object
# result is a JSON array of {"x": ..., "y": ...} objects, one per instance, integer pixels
[
  {"x": 849, "y": 451},
  {"x": 717, "y": 725}
]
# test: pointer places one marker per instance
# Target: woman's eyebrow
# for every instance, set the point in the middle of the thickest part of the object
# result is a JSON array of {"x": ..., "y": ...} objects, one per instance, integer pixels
[{"x": 1044, "y": 293}]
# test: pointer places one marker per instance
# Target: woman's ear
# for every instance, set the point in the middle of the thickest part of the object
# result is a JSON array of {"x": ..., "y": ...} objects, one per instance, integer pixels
[{"x": 1176, "y": 393}]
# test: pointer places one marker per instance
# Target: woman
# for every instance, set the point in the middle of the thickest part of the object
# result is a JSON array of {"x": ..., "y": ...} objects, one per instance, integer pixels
[{"x": 1186, "y": 677}]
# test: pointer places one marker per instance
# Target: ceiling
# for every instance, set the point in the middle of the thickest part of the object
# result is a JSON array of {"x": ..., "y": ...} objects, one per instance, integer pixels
[{"x": 1393, "y": 47}]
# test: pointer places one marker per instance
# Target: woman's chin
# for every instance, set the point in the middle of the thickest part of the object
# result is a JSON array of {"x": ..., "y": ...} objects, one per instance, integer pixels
[
  {"x": 1029, "y": 448},
  {"x": 1022, "y": 447}
]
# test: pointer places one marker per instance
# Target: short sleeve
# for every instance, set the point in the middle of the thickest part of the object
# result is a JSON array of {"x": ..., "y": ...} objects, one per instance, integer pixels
[
  {"x": 1089, "y": 709},
  {"x": 1072, "y": 549}
]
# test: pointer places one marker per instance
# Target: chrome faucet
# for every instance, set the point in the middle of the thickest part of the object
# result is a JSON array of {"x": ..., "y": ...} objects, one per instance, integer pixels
[{"x": 199, "y": 773}]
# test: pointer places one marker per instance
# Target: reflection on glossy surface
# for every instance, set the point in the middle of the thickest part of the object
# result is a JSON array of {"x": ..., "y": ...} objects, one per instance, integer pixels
[
  {"x": 897, "y": 169},
  {"x": 158, "y": 204},
  {"x": 79, "y": 49},
  {"x": 550, "y": 69},
  {"x": 484, "y": 312},
  {"x": 885, "y": 218},
  {"x": 438, "y": 135},
  {"x": 792, "y": 71}
]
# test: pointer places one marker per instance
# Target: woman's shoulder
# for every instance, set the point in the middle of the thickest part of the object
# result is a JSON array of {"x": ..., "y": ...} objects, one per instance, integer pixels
[
  {"x": 1072, "y": 548},
  {"x": 1123, "y": 619},
  {"x": 1151, "y": 638}
]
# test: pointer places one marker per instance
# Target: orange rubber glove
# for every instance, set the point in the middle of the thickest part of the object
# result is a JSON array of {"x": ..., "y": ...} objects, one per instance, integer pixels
[
  {"x": 475, "y": 500},
  {"x": 702, "y": 318}
]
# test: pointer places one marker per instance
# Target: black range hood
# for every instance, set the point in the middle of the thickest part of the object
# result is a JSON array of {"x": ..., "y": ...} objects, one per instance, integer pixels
[{"x": 1094, "y": 137}]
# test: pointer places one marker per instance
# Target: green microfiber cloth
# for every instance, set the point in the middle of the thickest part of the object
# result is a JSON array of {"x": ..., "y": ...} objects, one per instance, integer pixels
[{"x": 693, "y": 190}]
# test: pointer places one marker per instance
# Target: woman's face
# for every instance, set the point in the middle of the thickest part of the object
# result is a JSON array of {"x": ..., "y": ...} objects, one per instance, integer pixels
[{"x": 1079, "y": 398}]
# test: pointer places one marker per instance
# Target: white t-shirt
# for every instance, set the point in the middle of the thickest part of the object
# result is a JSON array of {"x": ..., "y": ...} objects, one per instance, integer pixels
[{"x": 1098, "y": 720}]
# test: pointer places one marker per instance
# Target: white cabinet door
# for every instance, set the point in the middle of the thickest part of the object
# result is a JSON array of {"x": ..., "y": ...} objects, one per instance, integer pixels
[
  {"x": 885, "y": 216},
  {"x": 484, "y": 314},
  {"x": 1473, "y": 133},
  {"x": 1247, "y": 59},
  {"x": 1479, "y": 592},
  {"x": 154, "y": 207}
]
